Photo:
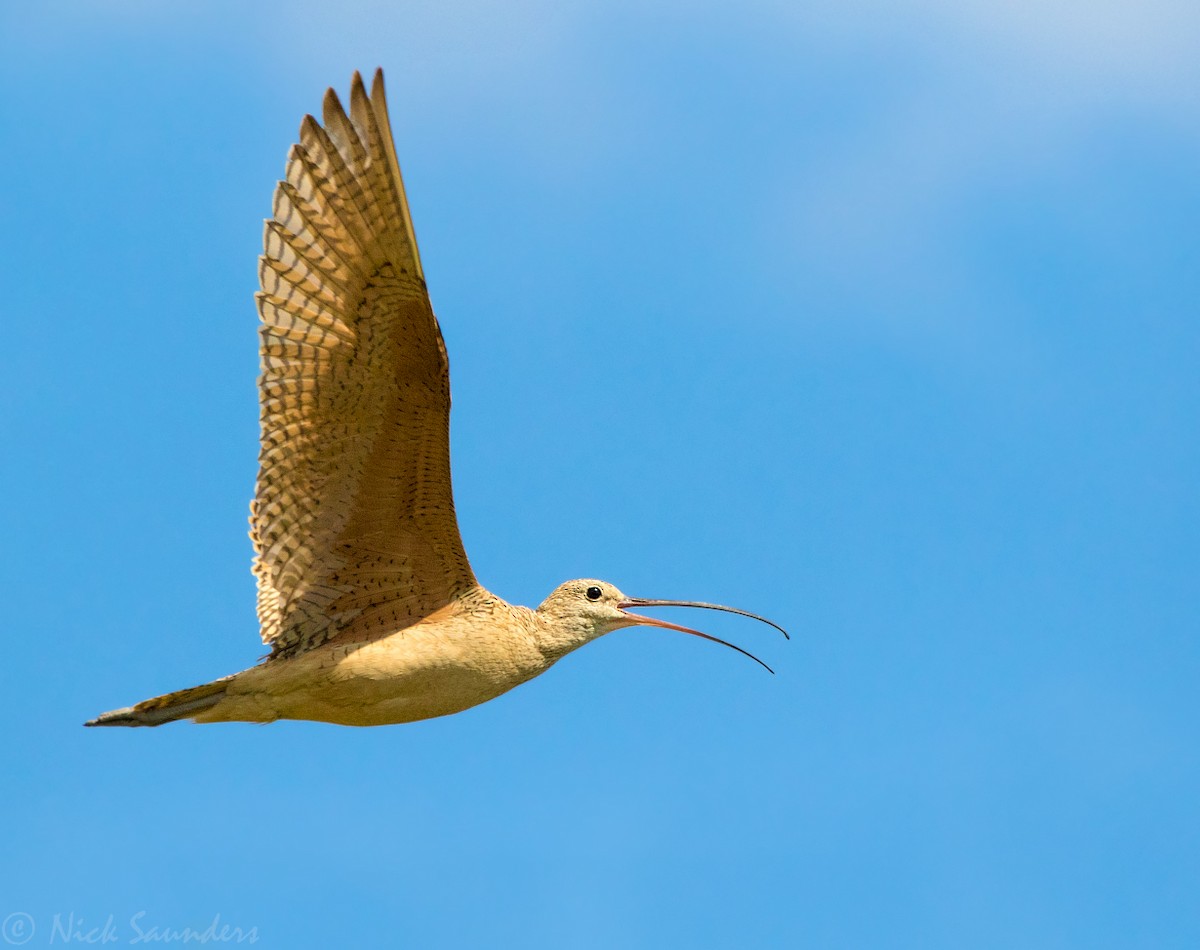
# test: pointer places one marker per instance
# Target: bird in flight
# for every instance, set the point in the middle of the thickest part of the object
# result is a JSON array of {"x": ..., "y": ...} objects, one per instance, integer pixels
[{"x": 365, "y": 594}]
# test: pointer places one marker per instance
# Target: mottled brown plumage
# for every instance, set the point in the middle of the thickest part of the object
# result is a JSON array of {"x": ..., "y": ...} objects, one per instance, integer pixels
[
  {"x": 353, "y": 520},
  {"x": 365, "y": 594}
]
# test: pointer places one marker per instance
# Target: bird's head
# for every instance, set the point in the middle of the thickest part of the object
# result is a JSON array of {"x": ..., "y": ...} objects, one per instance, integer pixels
[{"x": 580, "y": 611}]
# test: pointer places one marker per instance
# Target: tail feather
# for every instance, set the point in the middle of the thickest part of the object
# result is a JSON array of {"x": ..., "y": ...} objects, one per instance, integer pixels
[{"x": 181, "y": 704}]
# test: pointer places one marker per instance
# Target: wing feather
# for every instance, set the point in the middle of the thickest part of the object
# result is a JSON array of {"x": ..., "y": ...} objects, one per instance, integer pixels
[{"x": 353, "y": 518}]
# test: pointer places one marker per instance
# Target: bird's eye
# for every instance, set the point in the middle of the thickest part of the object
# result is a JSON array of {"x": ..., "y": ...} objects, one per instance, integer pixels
[{"x": 593, "y": 593}]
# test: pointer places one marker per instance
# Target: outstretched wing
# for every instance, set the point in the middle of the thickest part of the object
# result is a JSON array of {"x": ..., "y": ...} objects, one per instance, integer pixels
[{"x": 353, "y": 519}]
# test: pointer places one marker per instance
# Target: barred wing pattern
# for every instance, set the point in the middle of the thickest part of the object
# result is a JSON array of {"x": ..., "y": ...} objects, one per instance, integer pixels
[{"x": 353, "y": 519}]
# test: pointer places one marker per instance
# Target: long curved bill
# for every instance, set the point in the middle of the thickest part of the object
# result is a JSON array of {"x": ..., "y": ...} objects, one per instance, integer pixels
[{"x": 652, "y": 622}]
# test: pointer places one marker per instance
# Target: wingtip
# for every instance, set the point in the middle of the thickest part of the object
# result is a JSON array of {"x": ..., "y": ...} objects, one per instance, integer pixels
[
  {"x": 331, "y": 106},
  {"x": 308, "y": 128}
]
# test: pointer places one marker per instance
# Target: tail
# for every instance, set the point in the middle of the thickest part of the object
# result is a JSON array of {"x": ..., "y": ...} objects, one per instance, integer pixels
[{"x": 182, "y": 704}]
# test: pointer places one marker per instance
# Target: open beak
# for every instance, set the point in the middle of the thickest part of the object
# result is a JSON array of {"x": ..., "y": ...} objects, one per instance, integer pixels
[{"x": 639, "y": 620}]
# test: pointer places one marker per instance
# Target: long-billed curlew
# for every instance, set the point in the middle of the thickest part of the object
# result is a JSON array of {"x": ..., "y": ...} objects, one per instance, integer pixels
[{"x": 364, "y": 591}]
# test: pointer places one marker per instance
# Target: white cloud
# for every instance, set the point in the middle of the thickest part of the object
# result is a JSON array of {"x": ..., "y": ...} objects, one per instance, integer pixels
[{"x": 1011, "y": 94}]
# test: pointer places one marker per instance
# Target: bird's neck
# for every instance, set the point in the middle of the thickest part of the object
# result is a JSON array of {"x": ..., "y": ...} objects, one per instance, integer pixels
[{"x": 557, "y": 636}]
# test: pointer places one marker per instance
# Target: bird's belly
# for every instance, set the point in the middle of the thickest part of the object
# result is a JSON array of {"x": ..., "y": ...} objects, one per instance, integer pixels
[{"x": 408, "y": 676}]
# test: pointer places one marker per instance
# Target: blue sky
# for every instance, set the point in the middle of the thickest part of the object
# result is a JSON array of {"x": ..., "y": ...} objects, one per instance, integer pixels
[{"x": 879, "y": 319}]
